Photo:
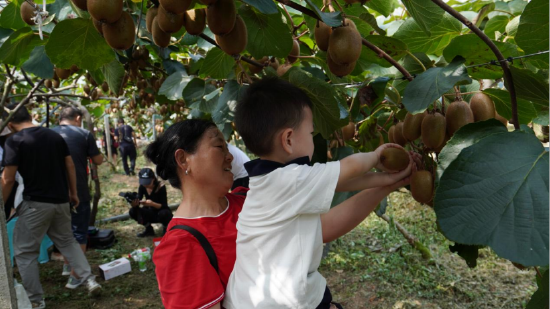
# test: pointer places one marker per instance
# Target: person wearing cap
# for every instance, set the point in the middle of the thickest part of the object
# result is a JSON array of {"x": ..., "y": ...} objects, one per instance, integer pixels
[
  {"x": 126, "y": 139},
  {"x": 153, "y": 201}
]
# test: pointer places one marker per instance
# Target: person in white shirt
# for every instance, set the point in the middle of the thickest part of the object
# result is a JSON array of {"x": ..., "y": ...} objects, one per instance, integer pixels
[
  {"x": 286, "y": 216},
  {"x": 240, "y": 176}
]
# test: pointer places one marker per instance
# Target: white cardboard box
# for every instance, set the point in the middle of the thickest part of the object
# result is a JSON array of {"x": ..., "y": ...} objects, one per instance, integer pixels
[{"x": 115, "y": 268}]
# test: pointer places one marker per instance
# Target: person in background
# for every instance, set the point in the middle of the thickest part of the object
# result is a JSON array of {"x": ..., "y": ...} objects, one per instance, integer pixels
[
  {"x": 154, "y": 208},
  {"x": 126, "y": 138},
  {"x": 43, "y": 159},
  {"x": 240, "y": 176},
  {"x": 16, "y": 196},
  {"x": 82, "y": 145},
  {"x": 114, "y": 145}
]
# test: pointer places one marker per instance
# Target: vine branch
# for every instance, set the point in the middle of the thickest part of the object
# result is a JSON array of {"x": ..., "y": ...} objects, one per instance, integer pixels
[
  {"x": 415, "y": 243},
  {"x": 508, "y": 81},
  {"x": 21, "y": 104}
]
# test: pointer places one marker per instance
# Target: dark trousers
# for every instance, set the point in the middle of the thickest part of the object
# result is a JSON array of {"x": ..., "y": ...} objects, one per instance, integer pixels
[
  {"x": 327, "y": 301},
  {"x": 145, "y": 215},
  {"x": 128, "y": 151}
]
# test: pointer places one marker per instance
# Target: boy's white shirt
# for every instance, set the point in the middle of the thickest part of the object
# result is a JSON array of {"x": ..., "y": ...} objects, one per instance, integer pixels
[{"x": 279, "y": 240}]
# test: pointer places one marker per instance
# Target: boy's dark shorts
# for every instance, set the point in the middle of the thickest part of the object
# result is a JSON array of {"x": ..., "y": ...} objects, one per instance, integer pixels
[{"x": 79, "y": 222}]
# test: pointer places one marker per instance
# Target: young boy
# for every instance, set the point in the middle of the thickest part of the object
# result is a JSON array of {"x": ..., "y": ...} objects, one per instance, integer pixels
[{"x": 286, "y": 217}]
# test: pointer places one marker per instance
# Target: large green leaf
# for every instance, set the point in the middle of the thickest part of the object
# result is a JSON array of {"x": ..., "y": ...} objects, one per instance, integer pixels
[
  {"x": 18, "y": 47},
  {"x": 426, "y": 14},
  {"x": 371, "y": 20},
  {"x": 475, "y": 51},
  {"x": 392, "y": 46},
  {"x": 495, "y": 193},
  {"x": 264, "y": 6},
  {"x": 114, "y": 75},
  {"x": 430, "y": 85},
  {"x": 11, "y": 16},
  {"x": 326, "y": 113},
  {"x": 532, "y": 35},
  {"x": 333, "y": 19},
  {"x": 384, "y": 7},
  {"x": 39, "y": 64},
  {"x": 503, "y": 105},
  {"x": 173, "y": 86},
  {"x": 268, "y": 35},
  {"x": 217, "y": 64},
  {"x": 418, "y": 41},
  {"x": 227, "y": 102},
  {"x": 76, "y": 41},
  {"x": 530, "y": 86},
  {"x": 194, "y": 91},
  {"x": 541, "y": 298},
  {"x": 496, "y": 24}
]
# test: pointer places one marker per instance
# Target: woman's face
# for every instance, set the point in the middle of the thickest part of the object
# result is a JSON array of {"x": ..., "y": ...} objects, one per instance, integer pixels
[
  {"x": 210, "y": 165},
  {"x": 151, "y": 185}
]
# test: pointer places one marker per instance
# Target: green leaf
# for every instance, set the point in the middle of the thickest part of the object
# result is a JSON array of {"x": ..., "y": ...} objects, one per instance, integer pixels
[
  {"x": 412, "y": 65},
  {"x": 172, "y": 66},
  {"x": 114, "y": 74},
  {"x": 392, "y": 46},
  {"x": 469, "y": 253},
  {"x": 475, "y": 51},
  {"x": 430, "y": 85},
  {"x": 384, "y": 7},
  {"x": 11, "y": 17},
  {"x": 209, "y": 99},
  {"x": 268, "y": 35},
  {"x": 333, "y": 19},
  {"x": 490, "y": 195},
  {"x": 540, "y": 298},
  {"x": 426, "y": 14},
  {"x": 4, "y": 35},
  {"x": 512, "y": 26},
  {"x": 371, "y": 20},
  {"x": 194, "y": 91},
  {"x": 442, "y": 34},
  {"x": 227, "y": 102},
  {"x": 76, "y": 41},
  {"x": 173, "y": 86},
  {"x": 18, "y": 47},
  {"x": 39, "y": 64},
  {"x": 217, "y": 64},
  {"x": 532, "y": 35},
  {"x": 530, "y": 86},
  {"x": 503, "y": 105},
  {"x": 326, "y": 113},
  {"x": 264, "y": 6},
  {"x": 496, "y": 24}
]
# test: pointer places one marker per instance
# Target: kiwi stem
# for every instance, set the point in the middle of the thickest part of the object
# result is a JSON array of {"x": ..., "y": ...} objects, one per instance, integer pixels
[
  {"x": 289, "y": 17},
  {"x": 337, "y": 4},
  {"x": 299, "y": 25},
  {"x": 302, "y": 34},
  {"x": 244, "y": 71},
  {"x": 538, "y": 272},
  {"x": 508, "y": 80},
  {"x": 461, "y": 93},
  {"x": 138, "y": 24},
  {"x": 417, "y": 60}
]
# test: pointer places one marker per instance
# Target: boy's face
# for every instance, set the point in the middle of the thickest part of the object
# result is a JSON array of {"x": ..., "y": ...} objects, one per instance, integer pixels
[{"x": 303, "y": 138}]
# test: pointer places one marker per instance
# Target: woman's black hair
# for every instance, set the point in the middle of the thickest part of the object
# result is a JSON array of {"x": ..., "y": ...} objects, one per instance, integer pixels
[{"x": 183, "y": 135}]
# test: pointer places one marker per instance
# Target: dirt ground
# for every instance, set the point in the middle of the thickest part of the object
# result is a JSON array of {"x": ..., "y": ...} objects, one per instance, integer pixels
[{"x": 371, "y": 267}]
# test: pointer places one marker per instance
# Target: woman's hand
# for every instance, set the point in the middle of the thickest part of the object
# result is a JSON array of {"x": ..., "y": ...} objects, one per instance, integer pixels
[
  {"x": 135, "y": 203},
  {"x": 147, "y": 203}
]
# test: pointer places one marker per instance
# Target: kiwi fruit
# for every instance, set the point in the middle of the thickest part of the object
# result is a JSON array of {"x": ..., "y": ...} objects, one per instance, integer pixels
[
  {"x": 390, "y": 134},
  {"x": 394, "y": 159},
  {"x": 254, "y": 69},
  {"x": 295, "y": 51},
  {"x": 48, "y": 83},
  {"x": 433, "y": 130},
  {"x": 438, "y": 149},
  {"x": 194, "y": 21},
  {"x": 221, "y": 16},
  {"x": 501, "y": 119},
  {"x": 94, "y": 95},
  {"x": 81, "y": 4},
  {"x": 422, "y": 186},
  {"x": 107, "y": 11},
  {"x": 62, "y": 73},
  {"x": 337, "y": 69},
  {"x": 175, "y": 6},
  {"x": 120, "y": 34},
  {"x": 282, "y": 69},
  {"x": 344, "y": 44},
  {"x": 398, "y": 136},
  {"x": 105, "y": 87},
  {"x": 169, "y": 22},
  {"x": 86, "y": 89},
  {"x": 161, "y": 38},
  {"x": 235, "y": 41},
  {"x": 322, "y": 35},
  {"x": 412, "y": 126},
  {"x": 151, "y": 14},
  {"x": 74, "y": 69},
  {"x": 98, "y": 25},
  {"x": 28, "y": 11},
  {"x": 458, "y": 114},
  {"x": 348, "y": 131},
  {"x": 482, "y": 107},
  {"x": 55, "y": 83}
]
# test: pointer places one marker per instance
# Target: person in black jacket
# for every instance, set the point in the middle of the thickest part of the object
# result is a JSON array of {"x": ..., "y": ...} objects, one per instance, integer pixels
[{"x": 154, "y": 208}]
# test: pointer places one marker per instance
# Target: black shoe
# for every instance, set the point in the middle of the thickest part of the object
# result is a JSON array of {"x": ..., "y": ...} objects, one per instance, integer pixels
[
  {"x": 149, "y": 231},
  {"x": 132, "y": 173}
]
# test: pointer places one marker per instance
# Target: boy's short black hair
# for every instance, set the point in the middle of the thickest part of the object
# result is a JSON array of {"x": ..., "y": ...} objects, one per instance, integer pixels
[
  {"x": 70, "y": 113},
  {"x": 268, "y": 106}
]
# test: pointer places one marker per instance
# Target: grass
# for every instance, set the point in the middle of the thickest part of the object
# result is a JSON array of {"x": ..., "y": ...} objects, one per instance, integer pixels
[{"x": 371, "y": 267}]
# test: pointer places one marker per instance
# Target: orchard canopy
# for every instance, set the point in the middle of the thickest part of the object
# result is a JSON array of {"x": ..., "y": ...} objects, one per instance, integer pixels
[{"x": 462, "y": 83}]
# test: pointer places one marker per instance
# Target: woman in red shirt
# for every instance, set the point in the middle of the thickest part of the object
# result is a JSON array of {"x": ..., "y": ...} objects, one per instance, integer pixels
[{"x": 192, "y": 155}]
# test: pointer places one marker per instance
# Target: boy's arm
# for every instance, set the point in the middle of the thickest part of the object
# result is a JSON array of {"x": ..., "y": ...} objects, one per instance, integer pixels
[
  {"x": 359, "y": 164},
  {"x": 347, "y": 215}
]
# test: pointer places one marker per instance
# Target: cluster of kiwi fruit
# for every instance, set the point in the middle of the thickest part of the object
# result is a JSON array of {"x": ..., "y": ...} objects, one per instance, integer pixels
[
  {"x": 342, "y": 44},
  {"x": 434, "y": 130},
  {"x": 159, "y": 125},
  {"x": 59, "y": 75},
  {"x": 274, "y": 62},
  {"x": 220, "y": 15}
]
